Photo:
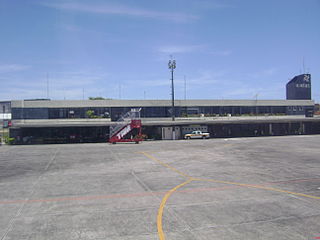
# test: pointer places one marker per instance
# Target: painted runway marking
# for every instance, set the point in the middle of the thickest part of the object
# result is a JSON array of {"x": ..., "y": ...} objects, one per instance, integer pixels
[
  {"x": 295, "y": 180},
  {"x": 190, "y": 179},
  {"x": 135, "y": 195},
  {"x": 114, "y": 196},
  {"x": 230, "y": 183},
  {"x": 163, "y": 203},
  {"x": 259, "y": 187},
  {"x": 165, "y": 165}
]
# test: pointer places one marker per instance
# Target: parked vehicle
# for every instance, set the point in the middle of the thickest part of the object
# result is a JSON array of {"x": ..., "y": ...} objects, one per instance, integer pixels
[{"x": 197, "y": 134}]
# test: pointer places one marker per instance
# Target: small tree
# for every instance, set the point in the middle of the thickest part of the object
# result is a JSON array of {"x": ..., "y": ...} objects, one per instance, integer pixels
[
  {"x": 90, "y": 114},
  {"x": 99, "y": 98}
]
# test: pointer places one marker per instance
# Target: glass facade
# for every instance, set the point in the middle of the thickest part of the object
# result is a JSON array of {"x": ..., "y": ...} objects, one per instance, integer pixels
[
  {"x": 152, "y": 112},
  {"x": 102, "y": 112},
  {"x": 30, "y": 113},
  {"x": 60, "y": 113}
]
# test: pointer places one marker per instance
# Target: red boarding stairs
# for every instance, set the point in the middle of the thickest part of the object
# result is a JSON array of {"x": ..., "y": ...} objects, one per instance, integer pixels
[{"x": 126, "y": 124}]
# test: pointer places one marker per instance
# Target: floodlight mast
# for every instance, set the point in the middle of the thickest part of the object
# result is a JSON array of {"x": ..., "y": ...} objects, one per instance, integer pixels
[{"x": 172, "y": 66}]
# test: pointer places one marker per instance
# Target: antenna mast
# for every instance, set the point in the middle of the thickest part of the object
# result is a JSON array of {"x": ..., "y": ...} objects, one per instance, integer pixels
[
  {"x": 185, "y": 88},
  {"x": 47, "y": 86}
]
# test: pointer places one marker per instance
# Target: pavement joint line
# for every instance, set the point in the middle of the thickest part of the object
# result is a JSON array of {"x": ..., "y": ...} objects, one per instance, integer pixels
[
  {"x": 120, "y": 195},
  {"x": 113, "y": 196},
  {"x": 259, "y": 187},
  {"x": 11, "y": 223},
  {"x": 141, "y": 183},
  {"x": 169, "y": 210},
  {"x": 128, "y": 195},
  {"x": 190, "y": 179},
  {"x": 231, "y": 184},
  {"x": 114, "y": 155},
  {"x": 166, "y": 165},
  {"x": 255, "y": 221},
  {"x": 294, "y": 180},
  {"x": 227, "y": 182},
  {"x": 150, "y": 192}
]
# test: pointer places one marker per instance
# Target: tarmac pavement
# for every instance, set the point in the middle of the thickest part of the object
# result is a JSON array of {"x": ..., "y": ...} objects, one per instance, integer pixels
[{"x": 240, "y": 188}]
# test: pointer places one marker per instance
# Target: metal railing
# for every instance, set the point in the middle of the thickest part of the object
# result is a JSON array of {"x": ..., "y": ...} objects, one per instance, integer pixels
[{"x": 124, "y": 120}]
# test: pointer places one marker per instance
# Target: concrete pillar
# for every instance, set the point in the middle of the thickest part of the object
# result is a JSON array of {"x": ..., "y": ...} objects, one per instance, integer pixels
[
  {"x": 289, "y": 128},
  {"x": 270, "y": 129},
  {"x": 302, "y": 128}
]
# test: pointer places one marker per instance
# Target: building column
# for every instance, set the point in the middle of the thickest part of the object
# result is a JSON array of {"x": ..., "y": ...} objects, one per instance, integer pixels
[
  {"x": 289, "y": 128},
  {"x": 302, "y": 128},
  {"x": 270, "y": 129}
]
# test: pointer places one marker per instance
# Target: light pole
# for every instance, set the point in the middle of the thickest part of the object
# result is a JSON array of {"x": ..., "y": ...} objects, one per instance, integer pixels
[
  {"x": 3, "y": 122},
  {"x": 172, "y": 66}
]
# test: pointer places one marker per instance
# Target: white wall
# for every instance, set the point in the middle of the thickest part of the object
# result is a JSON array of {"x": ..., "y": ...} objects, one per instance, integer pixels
[
  {"x": 167, "y": 133},
  {"x": 5, "y": 116}
]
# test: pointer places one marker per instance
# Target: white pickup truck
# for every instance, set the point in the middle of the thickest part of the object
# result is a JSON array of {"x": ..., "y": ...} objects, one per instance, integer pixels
[{"x": 197, "y": 134}]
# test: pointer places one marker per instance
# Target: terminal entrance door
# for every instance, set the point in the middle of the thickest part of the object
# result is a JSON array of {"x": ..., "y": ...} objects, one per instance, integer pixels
[{"x": 167, "y": 133}]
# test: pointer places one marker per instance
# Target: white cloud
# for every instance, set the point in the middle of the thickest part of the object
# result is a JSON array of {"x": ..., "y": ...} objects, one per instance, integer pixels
[
  {"x": 6, "y": 68},
  {"x": 66, "y": 84},
  {"x": 75, "y": 29},
  {"x": 122, "y": 10},
  {"x": 208, "y": 77}
]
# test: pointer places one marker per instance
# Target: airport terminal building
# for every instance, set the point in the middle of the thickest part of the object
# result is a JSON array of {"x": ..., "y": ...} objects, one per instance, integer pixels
[
  {"x": 60, "y": 121},
  {"x": 78, "y": 109},
  {"x": 5, "y": 113}
]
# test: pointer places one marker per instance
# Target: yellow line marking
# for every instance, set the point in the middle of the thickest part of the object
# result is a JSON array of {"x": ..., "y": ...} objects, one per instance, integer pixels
[
  {"x": 165, "y": 164},
  {"x": 226, "y": 182},
  {"x": 163, "y": 203},
  {"x": 257, "y": 186},
  {"x": 190, "y": 179},
  {"x": 289, "y": 192}
]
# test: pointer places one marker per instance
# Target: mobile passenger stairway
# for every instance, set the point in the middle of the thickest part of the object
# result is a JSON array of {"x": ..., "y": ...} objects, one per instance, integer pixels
[{"x": 127, "y": 128}]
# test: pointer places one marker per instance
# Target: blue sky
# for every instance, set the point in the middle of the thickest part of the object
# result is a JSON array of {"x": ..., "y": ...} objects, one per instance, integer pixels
[{"x": 231, "y": 49}]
